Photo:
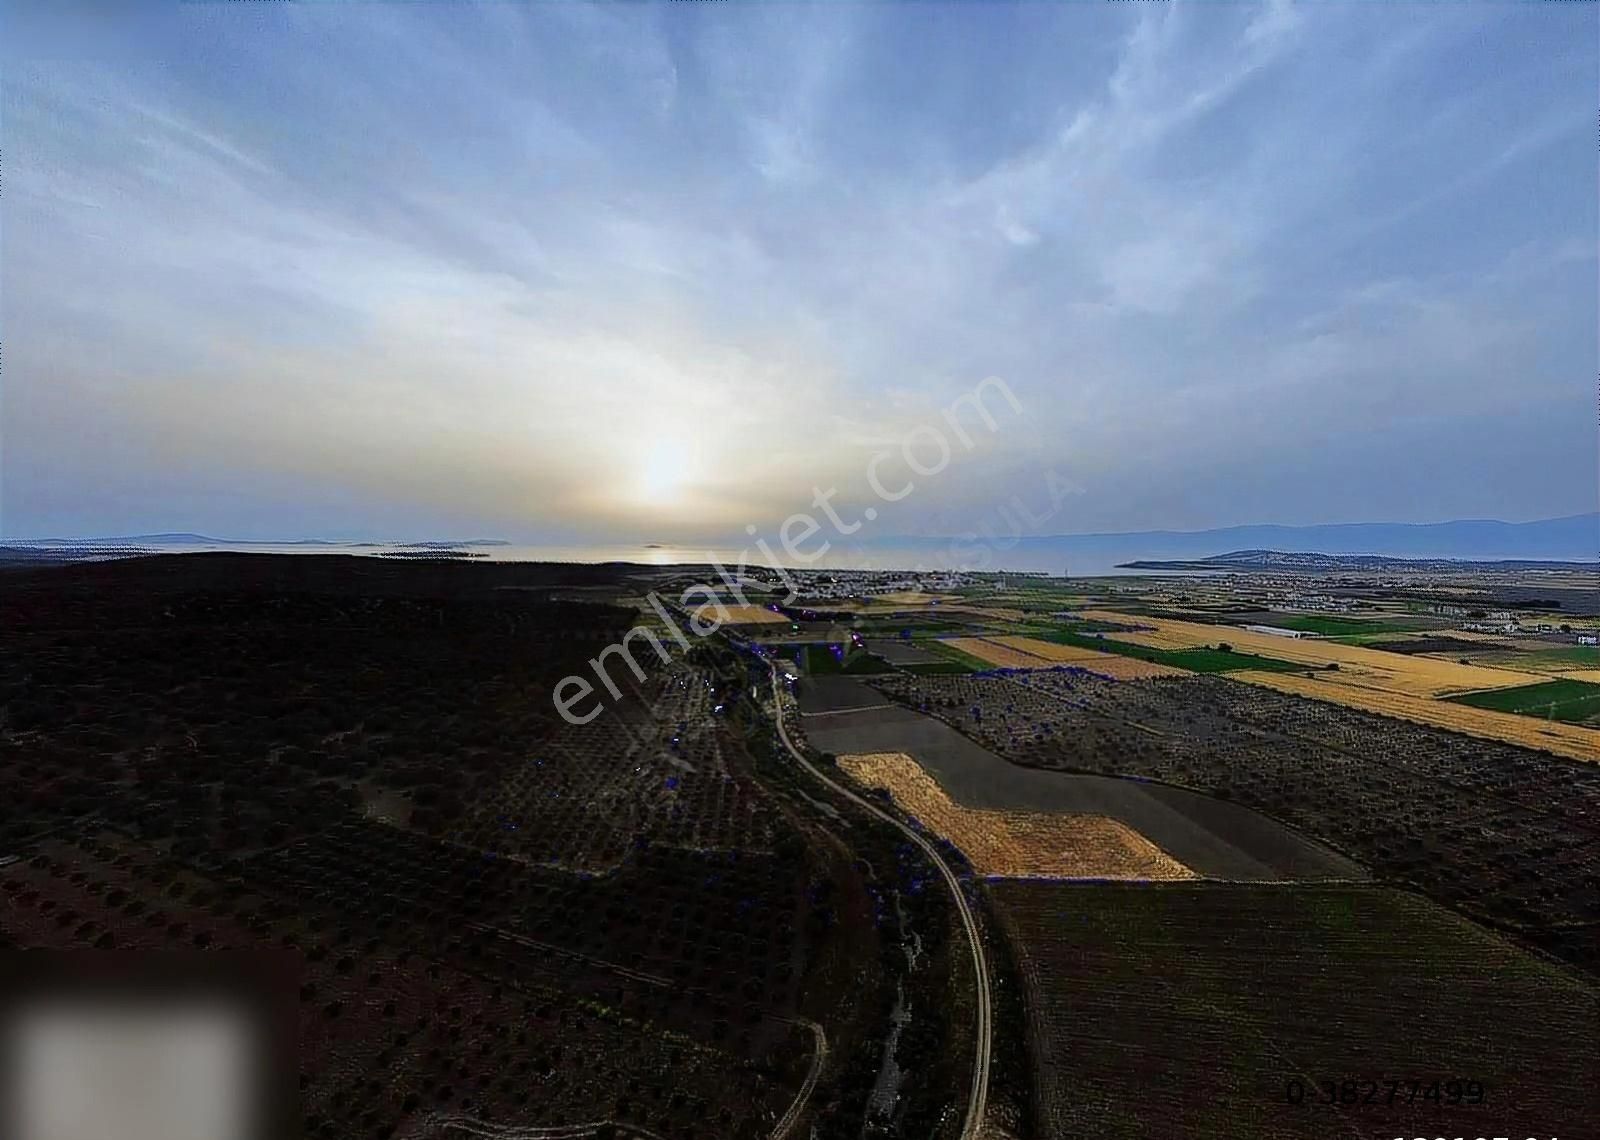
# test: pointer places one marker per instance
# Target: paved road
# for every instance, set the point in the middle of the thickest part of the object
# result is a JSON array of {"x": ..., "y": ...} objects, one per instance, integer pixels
[{"x": 978, "y": 1100}]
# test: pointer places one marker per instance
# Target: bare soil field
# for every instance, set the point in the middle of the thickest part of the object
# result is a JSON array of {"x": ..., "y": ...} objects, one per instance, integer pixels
[
  {"x": 1424, "y": 643},
  {"x": 898, "y": 651},
  {"x": 1221, "y": 1011},
  {"x": 1016, "y": 844},
  {"x": 1031, "y": 653},
  {"x": 835, "y": 693},
  {"x": 1212, "y": 838}
]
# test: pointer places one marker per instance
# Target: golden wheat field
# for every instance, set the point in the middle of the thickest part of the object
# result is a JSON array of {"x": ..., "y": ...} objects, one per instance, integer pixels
[
  {"x": 1571, "y": 740},
  {"x": 737, "y": 615},
  {"x": 1016, "y": 844},
  {"x": 912, "y": 598},
  {"x": 1031, "y": 653},
  {"x": 1493, "y": 658},
  {"x": 1358, "y": 666}
]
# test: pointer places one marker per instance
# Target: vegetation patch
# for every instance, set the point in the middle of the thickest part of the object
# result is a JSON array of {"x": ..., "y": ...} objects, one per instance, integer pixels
[
  {"x": 1357, "y": 665},
  {"x": 1568, "y": 656},
  {"x": 1577, "y": 702},
  {"x": 963, "y": 662},
  {"x": 1031, "y": 653},
  {"x": 1197, "y": 660},
  {"x": 820, "y": 660},
  {"x": 1341, "y": 626}
]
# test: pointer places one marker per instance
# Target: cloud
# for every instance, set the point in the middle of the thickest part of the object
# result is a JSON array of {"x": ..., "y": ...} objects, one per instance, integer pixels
[{"x": 486, "y": 259}]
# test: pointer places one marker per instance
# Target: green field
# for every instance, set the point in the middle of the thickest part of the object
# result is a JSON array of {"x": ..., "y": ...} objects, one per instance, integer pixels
[
  {"x": 1576, "y": 656},
  {"x": 919, "y": 627},
  {"x": 1218, "y": 661},
  {"x": 818, "y": 660},
  {"x": 1195, "y": 660},
  {"x": 1341, "y": 627},
  {"x": 1035, "y": 628},
  {"x": 955, "y": 661},
  {"x": 1577, "y": 702}
]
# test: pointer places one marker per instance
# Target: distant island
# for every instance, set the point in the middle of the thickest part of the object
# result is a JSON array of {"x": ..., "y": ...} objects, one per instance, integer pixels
[
  {"x": 187, "y": 539},
  {"x": 1342, "y": 563}
]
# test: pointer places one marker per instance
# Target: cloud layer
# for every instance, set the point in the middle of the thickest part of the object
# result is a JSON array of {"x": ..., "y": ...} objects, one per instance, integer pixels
[{"x": 653, "y": 272}]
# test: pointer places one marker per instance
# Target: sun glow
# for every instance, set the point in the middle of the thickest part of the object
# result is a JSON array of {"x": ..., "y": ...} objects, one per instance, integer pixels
[{"x": 665, "y": 471}]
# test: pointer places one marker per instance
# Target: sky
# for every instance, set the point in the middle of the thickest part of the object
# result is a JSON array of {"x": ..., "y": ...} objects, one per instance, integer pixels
[{"x": 554, "y": 272}]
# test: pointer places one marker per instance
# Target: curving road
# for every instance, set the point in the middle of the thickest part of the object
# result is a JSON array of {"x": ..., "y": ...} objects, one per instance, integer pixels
[
  {"x": 819, "y": 1058},
  {"x": 978, "y": 1100},
  {"x": 473, "y": 1126}
]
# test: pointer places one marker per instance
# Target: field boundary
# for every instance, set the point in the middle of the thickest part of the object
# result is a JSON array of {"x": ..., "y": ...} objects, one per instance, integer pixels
[{"x": 977, "y": 1103}]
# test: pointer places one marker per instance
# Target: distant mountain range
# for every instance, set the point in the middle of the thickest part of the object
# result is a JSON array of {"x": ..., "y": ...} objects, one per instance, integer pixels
[
  {"x": 1257, "y": 560},
  {"x": 1573, "y": 538}
]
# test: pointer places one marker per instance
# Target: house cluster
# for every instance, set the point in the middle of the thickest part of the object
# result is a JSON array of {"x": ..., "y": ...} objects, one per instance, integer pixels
[
  {"x": 1503, "y": 621},
  {"x": 1297, "y": 601},
  {"x": 841, "y": 584}
]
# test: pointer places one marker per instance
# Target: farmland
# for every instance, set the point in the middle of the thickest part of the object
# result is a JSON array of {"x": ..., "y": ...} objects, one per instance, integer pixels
[
  {"x": 729, "y": 613},
  {"x": 1330, "y": 626},
  {"x": 1193, "y": 1009},
  {"x": 1504, "y": 835},
  {"x": 950, "y": 658},
  {"x": 1209, "y": 836},
  {"x": 1030, "y": 653},
  {"x": 1358, "y": 665},
  {"x": 1565, "y": 657},
  {"x": 655, "y": 920},
  {"x": 1392, "y": 679},
  {"x": 1567, "y": 700},
  {"x": 1197, "y": 658},
  {"x": 1016, "y": 844},
  {"x": 1573, "y": 741}
]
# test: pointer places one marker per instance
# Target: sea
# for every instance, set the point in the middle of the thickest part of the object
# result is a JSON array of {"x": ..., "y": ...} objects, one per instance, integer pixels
[{"x": 928, "y": 555}]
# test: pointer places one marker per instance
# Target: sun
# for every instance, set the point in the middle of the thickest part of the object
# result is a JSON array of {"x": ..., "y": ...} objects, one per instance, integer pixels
[{"x": 665, "y": 471}]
